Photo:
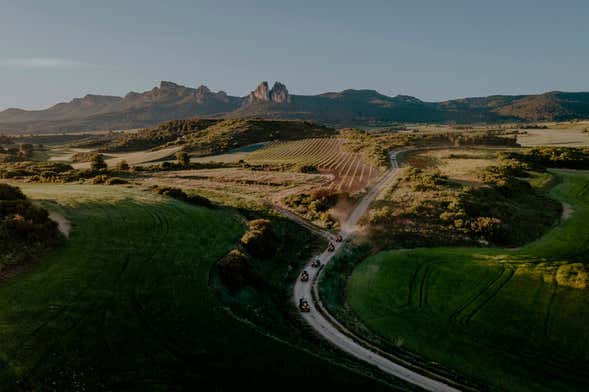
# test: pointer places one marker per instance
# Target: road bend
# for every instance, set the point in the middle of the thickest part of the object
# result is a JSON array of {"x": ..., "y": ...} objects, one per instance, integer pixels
[{"x": 328, "y": 327}]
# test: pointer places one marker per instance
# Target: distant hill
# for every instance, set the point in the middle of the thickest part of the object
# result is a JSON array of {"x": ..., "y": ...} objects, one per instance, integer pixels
[
  {"x": 346, "y": 108},
  {"x": 207, "y": 136}
]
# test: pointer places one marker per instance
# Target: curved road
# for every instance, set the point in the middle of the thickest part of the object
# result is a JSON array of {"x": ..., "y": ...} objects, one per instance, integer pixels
[{"x": 330, "y": 329}]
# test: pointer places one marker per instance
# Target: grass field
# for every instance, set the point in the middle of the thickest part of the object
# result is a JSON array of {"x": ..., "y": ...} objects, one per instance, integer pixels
[
  {"x": 516, "y": 319},
  {"x": 125, "y": 304},
  {"x": 351, "y": 172}
]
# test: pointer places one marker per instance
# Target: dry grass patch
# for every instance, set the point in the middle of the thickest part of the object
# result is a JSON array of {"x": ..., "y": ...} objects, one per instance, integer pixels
[
  {"x": 242, "y": 183},
  {"x": 575, "y": 137},
  {"x": 459, "y": 165}
]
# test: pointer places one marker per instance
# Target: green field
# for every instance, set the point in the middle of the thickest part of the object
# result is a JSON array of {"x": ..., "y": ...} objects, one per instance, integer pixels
[
  {"x": 513, "y": 318},
  {"x": 126, "y": 304}
]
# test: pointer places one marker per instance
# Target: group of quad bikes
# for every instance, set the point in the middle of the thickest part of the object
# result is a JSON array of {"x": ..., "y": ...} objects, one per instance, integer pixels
[{"x": 303, "y": 303}]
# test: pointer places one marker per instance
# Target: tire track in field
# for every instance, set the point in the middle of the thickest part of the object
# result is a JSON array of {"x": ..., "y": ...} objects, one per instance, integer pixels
[
  {"x": 453, "y": 318},
  {"x": 495, "y": 291},
  {"x": 548, "y": 314},
  {"x": 423, "y": 285},
  {"x": 67, "y": 310},
  {"x": 412, "y": 283},
  {"x": 157, "y": 337}
]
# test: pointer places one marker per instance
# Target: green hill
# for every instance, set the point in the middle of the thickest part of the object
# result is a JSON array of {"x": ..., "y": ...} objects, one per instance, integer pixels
[
  {"x": 125, "y": 304},
  {"x": 208, "y": 136},
  {"x": 514, "y": 318}
]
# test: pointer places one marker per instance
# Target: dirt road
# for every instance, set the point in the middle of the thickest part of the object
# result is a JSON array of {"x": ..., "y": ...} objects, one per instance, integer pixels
[{"x": 329, "y": 328}]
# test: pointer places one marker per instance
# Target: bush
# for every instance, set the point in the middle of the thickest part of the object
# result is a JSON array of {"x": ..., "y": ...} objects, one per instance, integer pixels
[
  {"x": 116, "y": 181},
  {"x": 308, "y": 169},
  {"x": 236, "y": 270},
  {"x": 84, "y": 157},
  {"x": 546, "y": 157},
  {"x": 315, "y": 205},
  {"x": 99, "y": 179},
  {"x": 25, "y": 229},
  {"x": 98, "y": 163},
  {"x": 183, "y": 158},
  {"x": 8, "y": 192},
  {"x": 179, "y": 194},
  {"x": 259, "y": 240},
  {"x": 123, "y": 165}
]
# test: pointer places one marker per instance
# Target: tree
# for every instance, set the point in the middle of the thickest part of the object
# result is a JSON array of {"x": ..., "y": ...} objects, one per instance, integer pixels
[
  {"x": 236, "y": 270},
  {"x": 260, "y": 240},
  {"x": 98, "y": 163},
  {"x": 183, "y": 158},
  {"x": 123, "y": 165}
]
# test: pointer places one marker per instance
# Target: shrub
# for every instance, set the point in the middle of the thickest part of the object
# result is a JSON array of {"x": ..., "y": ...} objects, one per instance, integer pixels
[
  {"x": 8, "y": 192},
  {"x": 98, "y": 163},
  {"x": 259, "y": 240},
  {"x": 236, "y": 270},
  {"x": 179, "y": 194},
  {"x": 25, "y": 229},
  {"x": 99, "y": 179},
  {"x": 123, "y": 165},
  {"x": 308, "y": 169},
  {"x": 183, "y": 158},
  {"x": 315, "y": 205},
  {"x": 115, "y": 181}
]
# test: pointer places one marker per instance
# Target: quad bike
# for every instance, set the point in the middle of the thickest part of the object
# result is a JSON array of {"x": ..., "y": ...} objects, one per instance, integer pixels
[
  {"x": 331, "y": 247},
  {"x": 304, "y": 276},
  {"x": 304, "y": 306},
  {"x": 316, "y": 263},
  {"x": 339, "y": 238}
]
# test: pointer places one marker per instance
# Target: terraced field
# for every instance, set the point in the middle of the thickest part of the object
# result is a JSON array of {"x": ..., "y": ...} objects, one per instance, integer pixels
[
  {"x": 125, "y": 304},
  {"x": 515, "y": 318},
  {"x": 351, "y": 172}
]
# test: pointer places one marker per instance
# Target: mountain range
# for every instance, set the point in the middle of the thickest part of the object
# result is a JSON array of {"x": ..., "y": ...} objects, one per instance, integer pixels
[{"x": 346, "y": 108}]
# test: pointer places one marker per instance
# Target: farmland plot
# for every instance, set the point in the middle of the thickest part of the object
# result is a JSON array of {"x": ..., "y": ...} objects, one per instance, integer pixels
[{"x": 351, "y": 172}]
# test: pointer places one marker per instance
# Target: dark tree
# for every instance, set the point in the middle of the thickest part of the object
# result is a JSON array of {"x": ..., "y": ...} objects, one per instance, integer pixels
[
  {"x": 123, "y": 165},
  {"x": 98, "y": 163},
  {"x": 183, "y": 158}
]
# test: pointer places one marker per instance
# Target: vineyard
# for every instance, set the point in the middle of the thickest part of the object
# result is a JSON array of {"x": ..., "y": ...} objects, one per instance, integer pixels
[{"x": 351, "y": 172}]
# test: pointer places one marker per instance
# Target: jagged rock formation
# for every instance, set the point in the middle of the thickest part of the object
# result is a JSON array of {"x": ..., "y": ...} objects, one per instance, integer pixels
[{"x": 278, "y": 94}]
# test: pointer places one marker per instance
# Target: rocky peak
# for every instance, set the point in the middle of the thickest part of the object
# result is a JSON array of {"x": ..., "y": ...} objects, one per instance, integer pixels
[
  {"x": 164, "y": 85},
  {"x": 278, "y": 94},
  {"x": 261, "y": 93},
  {"x": 202, "y": 91},
  {"x": 408, "y": 99}
]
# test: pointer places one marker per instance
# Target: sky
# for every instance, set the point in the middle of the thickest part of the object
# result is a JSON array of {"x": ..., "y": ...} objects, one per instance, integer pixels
[{"x": 54, "y": 51}]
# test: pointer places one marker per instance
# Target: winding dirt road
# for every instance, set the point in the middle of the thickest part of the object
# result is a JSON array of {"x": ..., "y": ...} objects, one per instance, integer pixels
[{"x": 329, "y": 328}]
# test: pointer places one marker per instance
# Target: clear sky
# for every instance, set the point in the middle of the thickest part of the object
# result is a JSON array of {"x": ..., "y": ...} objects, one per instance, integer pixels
[{"x": 56, "y": 50}]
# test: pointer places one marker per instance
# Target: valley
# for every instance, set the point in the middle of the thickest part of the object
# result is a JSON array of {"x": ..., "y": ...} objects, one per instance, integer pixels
[
  {"x": 248, "y": 204},
  {"x": 290, "y": 196}
]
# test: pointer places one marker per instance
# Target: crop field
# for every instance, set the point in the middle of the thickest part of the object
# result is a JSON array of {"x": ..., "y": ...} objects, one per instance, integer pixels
[
  {"x": 125, "y": 304},
  {"x": 513, "y": 318},
  {"x": 351, "y": 172},
  {"x": 232, "y": 156}
]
